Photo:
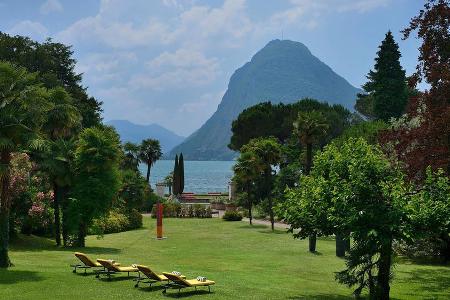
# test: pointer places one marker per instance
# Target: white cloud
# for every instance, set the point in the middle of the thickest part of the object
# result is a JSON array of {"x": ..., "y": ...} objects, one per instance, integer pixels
[
  {"x": 206, "y": 104},
  {"x": 178, "y": 69},
  {"x": 51, "y": 6},
  {"x": 29, "y": 28},
  {"x": 307, "y": 13}
]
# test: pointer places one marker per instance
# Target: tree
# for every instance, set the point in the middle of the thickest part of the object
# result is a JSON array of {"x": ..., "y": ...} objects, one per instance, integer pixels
[
  {"x": 56, "y": 67},
  {"x": 22, "y": 109},
  {"x": 353, "y": 188},
  {"x": 422, "y": 137},
  {"x": 63, "y": 122},
  {"x": 246, "y": 173},
  {"x": 168, "y": 181},
  {"x": 176, "y": 178},
  {"x": 150, "y": 152},
  {"x": 268, "y": 155},
  {"x": 267, "y": 119},
  {"x": 97, "y": 179},
  {"x": 309, "y": 127},
  {"x": 131, "y": 159},
  {"x": 386, "y": 89},
  {"x": 181, "y": 172}
]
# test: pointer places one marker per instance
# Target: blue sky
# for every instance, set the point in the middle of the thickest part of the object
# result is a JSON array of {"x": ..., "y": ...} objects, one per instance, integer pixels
[{"x": 169, "y": 61}]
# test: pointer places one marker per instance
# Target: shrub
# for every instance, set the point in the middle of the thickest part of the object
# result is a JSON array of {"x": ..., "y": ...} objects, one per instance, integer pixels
[
  {"x": 176, "y": 210},
  {"x": 232, "y": 216},
  {"x": 134, "y": 219},
  {"x": 114, "y": 222}
]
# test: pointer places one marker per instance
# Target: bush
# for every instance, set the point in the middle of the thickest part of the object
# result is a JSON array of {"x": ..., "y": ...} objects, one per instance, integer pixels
[
  {"x": 232, "y": 216},
  {"x": 134, "y": 219},
  {"x": 176, "y": 210},
  {"x": 114, "y": 222}
]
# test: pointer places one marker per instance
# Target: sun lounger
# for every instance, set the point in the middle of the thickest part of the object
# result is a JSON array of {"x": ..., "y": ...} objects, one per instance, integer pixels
[
  {"x": 111, "y": 268},
  {"x": 87, "y": 263},
  {"x": 177, "y": 282},
  {"x": 150, "y": 276}
]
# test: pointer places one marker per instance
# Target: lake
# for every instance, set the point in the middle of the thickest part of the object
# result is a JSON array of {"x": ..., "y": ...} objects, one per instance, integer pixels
[{"x": 199, "y": 176}]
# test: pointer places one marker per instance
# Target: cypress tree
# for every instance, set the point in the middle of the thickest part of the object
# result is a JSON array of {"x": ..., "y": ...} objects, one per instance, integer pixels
[
  {"x": 387, "y": 82},
  {"x": 181, "y": 172},
  {"x": 175, "y": 181}
]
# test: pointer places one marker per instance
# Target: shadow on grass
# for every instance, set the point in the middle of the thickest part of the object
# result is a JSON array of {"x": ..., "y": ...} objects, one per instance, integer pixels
[
  {"x": 184, "y": 294},
  {"x": 35, "y": 244},
  {"x": 321, "y": 297},
  {"x": 153, "y": 288},
  {"x": 12, "y": 276},
  {"x": 254, "y": 226},
  {"x": 276, "y": 231},
  {"x": 429, "y": 281},
  {"x": 118, "y": 278},
  {"x": 423, "y": 261}
]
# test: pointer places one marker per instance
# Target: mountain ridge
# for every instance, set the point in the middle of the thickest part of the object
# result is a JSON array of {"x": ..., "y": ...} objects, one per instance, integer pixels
[
  {"x": 131, "y": 132},
  {"x": 282, "y": 71}
]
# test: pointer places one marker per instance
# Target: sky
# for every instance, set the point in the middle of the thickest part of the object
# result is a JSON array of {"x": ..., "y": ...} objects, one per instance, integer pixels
[{"x": 169, "y": 61}]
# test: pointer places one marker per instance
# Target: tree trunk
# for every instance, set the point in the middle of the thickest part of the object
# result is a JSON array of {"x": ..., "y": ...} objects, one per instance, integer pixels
[
  {"x": 347, "y": 242},
  {"x": 312, "y": 243},
  {"x": 272, "y": 219},
  {"x": 384, "y": 271},
  {"x": 308, "y": 158},
  {"x": 64, "y": 208},
  {"x": 56, "y": 206},
  {"x": 148, "y": 173},
  {"x": 170, "y": 189},
  {"x": 82, "y": 230},
  {"x": 340, "y": 245},
  {"x": 5, "y": 159}
]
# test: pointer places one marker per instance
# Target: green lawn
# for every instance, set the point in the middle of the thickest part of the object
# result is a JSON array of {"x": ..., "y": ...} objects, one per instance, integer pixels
[{"x": 246, "y": 262}]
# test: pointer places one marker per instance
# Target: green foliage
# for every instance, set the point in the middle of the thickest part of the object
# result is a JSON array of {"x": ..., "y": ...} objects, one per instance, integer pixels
[
  {"x": 97, "y": 179},
  {"x": 131, "y": 157},
  {"x": 149, "y": 153},
  {"x": 232, "y": 215},
  {"x": 133, "y": 190},
  {"x": 174, "y": 209},
  {"x": 386, "y": 84},
  {"x": 176, "y": 177},
  {"x": 366, "y": 130},
  {"x": 56, "y": 67},
  {"x": 353, "y": 188},
  {"x": 181, "y": 173},
  {"x": 429, "y": 211},
  {"x": 113, "y": 222},
  {"x": 267, "y": 119}
]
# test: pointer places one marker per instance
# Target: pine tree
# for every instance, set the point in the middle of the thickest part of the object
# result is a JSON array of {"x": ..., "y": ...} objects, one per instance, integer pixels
[
  {"x": 181, "y": 172},
  {"x": 176, "y": 178},
  {"x": 387, "y": 82}
]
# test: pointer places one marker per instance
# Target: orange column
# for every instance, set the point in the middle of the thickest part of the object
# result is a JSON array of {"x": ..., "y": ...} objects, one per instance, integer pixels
[{"x": 159, "y": 217}]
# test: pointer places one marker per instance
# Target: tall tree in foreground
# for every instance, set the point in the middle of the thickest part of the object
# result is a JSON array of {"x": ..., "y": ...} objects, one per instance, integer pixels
[
  {"x": 422, "y": 137},
  {"x": 97, "y": 178},
  {"x": 150, "y": 152},
  {"x": 246, "y": 174},
  {"x": 22, "y": 108},
  {"x": 386, "y": 89},
  {"x": 310, "y": 127},
  {"x": 63, "y": 122},
  {"x": 353, "y": 188},
  {"x": 131, "y": 159},
  {"x": 268, "y": 155}
]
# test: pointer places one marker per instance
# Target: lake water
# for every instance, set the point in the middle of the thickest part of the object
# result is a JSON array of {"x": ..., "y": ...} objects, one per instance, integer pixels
[{"x": 199, "y": 176}]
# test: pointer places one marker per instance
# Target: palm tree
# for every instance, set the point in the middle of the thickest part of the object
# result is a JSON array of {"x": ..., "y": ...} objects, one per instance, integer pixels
[
  {"x": 268, "y": 154},
  {"x": 245, "y": 174},
  {"x": 131, "y": 160},
  {"x": 310, "y": 126},
  {"x": 168, "y": 181},
  {"x": 22, "y": 109},
  {"x": 63, "y": 122},
  {"x": 150, "y": 152}
]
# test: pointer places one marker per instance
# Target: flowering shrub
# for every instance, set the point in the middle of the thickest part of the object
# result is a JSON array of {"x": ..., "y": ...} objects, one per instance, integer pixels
[{"x": 40, "y": 214}]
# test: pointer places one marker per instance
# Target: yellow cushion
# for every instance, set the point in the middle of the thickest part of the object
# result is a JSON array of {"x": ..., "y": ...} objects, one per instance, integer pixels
[
  {"x": 127, "y": 269},
  {"x": 195, "y": 282}
]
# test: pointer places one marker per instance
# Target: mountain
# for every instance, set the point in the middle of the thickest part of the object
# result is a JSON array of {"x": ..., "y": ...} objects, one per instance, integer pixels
[
  {"x": 283, "y": 71},
  {"x": 130, "y": 132}
]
